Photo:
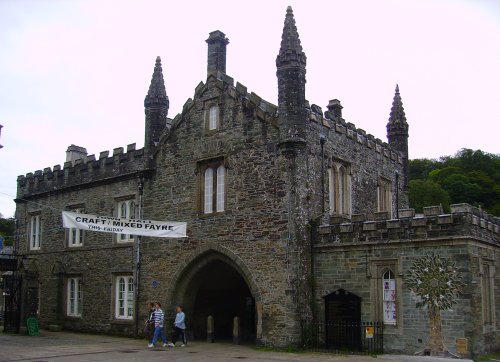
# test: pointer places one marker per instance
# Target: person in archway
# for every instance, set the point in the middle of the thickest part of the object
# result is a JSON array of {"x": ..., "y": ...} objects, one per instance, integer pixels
[
  {"x": 179, "y": 327},
  {"x": 159, "y": 318},
  {"x": 149, "y": 328}
]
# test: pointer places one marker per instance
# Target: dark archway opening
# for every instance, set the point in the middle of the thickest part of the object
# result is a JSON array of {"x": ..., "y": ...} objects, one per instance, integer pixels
[
  {"x": 219, "y": 290},
  {"x": 343, "y": 320}
]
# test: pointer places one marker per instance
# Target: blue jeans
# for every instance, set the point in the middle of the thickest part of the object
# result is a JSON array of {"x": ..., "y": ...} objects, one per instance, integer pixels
[{"x": 159, "y": 333}]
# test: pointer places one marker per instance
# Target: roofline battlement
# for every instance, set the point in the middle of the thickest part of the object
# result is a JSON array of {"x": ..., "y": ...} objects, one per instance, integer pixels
[
  {"x": 264, "y": 110},
  {"x": 463, "y": 221},
  {"x": 359, "y": 135},
  {"x": 82, "y": 171}
]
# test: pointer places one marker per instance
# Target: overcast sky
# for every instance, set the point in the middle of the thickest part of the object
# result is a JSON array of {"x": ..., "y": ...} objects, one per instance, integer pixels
[{"x": 76, "y": 72}]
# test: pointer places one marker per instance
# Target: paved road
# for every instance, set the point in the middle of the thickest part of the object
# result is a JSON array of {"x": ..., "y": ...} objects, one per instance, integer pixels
[{"x": 63, "y": 346}]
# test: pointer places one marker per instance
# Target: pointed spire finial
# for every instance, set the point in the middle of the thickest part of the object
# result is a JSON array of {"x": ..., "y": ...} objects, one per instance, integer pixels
[
  {"x": 157, "y": 95},
  {"x": 291, "y": 50},
  {"x": 397, "y": 117}
]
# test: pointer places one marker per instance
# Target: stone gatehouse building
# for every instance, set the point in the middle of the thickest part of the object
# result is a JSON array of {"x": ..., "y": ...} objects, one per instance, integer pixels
[{"x": 287, "y": 206}]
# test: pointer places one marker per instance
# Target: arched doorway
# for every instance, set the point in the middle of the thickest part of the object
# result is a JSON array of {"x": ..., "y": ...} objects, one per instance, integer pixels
[{"x": 214, "y": 285}]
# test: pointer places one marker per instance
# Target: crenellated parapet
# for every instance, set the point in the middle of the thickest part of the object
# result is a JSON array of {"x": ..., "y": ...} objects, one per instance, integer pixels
[
  {"x": 463, "y": 221},
  {"x": 262, "y": 109},
  {"x": 333, "y": 123},
  {"x": 83, "y": 171}
]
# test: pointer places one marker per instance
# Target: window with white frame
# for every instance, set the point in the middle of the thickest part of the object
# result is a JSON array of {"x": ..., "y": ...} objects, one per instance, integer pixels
[
  {"x": 74, "y": 298},
  {"x": 488, "y": 297},
  {"x": 126, "y": 210},
  {"x": 384, "y": 195},
  {"x": 213, "y": 188},
  {"x": 213, "y": 118},
  {"x": 35, "y": 235},
  {"x": 339, "y": 189},
  {"x": 389, "y": 297},
  {"x": 124, "y": 297},
  {"x": 75, "y": 236}
]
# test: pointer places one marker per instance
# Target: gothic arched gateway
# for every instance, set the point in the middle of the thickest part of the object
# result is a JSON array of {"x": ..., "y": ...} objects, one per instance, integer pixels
[{"x": 217, "y": 284}]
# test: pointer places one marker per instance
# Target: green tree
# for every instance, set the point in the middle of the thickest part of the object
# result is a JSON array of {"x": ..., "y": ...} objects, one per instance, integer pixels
[
  {"x": 427, "y": 193},
  {"x": 7, "y": 229},
  {"x": 470, "y": 176}
]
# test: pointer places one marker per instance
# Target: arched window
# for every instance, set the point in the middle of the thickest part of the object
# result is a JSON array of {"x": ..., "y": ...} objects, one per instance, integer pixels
[
  {"x": 213, "y": 191},
  {"x": 384, "y": 195},
  {"x": 209, "y": 191},
  {"x": 339, "y": 189},
  {"x": 213, "y": 117},
  {"x": 75, "y": 236},
  {"x": 221, "y": 174},
  {"x": 342, "y": 181},
  {"x": 126, "y": 210},
  {"x": 124, "y": 297},
  {"x": 389, "y": 297}
]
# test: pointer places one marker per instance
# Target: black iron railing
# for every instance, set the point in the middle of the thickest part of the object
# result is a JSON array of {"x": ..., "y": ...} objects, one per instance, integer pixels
[{"x": 343, "y": 337}]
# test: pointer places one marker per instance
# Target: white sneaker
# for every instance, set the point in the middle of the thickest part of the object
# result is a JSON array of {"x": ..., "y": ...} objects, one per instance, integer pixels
[
  {"x": 164, "y": 344},
  {"x": 151, "y": 345},
  {"x": 171, "y": 344},
  {"x": 183, "y": 345}
]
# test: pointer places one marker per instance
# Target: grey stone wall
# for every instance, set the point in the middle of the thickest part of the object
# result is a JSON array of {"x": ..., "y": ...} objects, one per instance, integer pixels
[
  {"x": 96, "y": 262},
  {"x": 350, "y": 256}
]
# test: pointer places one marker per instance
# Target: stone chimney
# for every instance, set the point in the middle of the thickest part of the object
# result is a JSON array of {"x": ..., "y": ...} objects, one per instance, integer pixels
[
  {"x": 216, "y": 61},
  {"x": 74, "y": 153},
  {"x": 335, "y": 108}
]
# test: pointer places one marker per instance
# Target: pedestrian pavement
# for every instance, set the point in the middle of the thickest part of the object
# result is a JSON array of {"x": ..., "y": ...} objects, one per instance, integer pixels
[{"x": 72, "y": 347}]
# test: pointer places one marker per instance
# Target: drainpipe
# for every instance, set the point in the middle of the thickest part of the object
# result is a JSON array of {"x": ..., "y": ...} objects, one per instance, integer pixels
[{"x": 138, "y": 257}]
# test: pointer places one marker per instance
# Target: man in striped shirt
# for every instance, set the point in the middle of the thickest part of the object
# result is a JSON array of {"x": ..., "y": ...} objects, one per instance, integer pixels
[{"x": 159, "y": 318}]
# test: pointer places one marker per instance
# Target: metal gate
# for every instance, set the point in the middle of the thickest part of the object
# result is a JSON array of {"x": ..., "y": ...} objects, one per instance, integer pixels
[{"x": 12, "y": 307}]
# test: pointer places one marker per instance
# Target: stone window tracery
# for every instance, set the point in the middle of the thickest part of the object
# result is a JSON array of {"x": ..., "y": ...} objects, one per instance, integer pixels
[
  {"x": 213, "y": 187},
  {"x": 339, "y": 189},
  {"x": 384, "y": 195}
]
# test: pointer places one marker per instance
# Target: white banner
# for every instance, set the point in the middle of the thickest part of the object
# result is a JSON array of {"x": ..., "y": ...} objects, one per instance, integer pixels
[{"x": 106, "y": 224}]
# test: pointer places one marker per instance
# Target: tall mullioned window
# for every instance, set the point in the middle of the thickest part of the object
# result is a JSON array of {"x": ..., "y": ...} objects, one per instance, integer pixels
[
  {"x": 339, "y": 189},
  {"x": 214, "y": 188},
  {"x": 75, "y": 236},
  {"x": 124, "y": 297},
  {"x": 126, "y": 210},
  {"x": 35, "y": 235},
  {"x": 74, "y": 298},
  {"x": 384, "y": 195},
  {"x": 389, "y": 297}
]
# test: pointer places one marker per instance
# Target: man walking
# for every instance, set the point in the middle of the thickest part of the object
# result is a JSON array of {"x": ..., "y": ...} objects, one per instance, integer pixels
[
  {"x": 149, "y": 328},
  {"x": 159, "y": 318},
  {"x": 179, "y": 327}
]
